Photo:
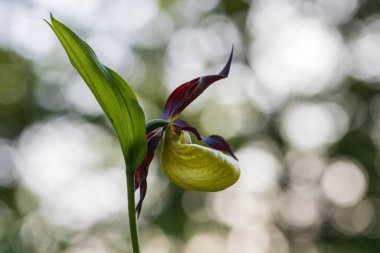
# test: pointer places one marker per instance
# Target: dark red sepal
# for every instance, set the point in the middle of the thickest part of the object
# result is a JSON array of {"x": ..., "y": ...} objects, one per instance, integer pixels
[
  {"x": 153, "y": 138},
  {"x": 186, "y": 93},
  {"x": 214, "y": 141}
]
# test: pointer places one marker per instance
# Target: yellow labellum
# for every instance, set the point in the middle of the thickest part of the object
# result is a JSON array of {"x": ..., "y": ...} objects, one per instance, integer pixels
[{"x": 194, "y": 167}]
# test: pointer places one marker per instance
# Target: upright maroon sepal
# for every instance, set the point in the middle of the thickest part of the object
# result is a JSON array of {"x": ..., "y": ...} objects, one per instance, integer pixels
[{"x": 186, "y": 93}]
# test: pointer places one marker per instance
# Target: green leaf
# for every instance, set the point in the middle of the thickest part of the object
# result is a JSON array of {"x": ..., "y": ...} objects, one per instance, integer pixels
[{"x": 114, "y": 95}]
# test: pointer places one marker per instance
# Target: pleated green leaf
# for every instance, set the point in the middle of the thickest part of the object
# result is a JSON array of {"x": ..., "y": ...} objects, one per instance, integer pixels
[{"x": 114, "y": 95}]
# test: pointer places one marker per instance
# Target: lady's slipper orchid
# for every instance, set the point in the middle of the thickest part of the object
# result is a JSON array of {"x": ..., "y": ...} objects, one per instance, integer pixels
[{"x": 189, "y": 166}]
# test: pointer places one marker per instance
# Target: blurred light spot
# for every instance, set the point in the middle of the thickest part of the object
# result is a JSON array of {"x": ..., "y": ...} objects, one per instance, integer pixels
[
  {"x": 227, "y": 121},
  {"x": 260, "y": 168},
  {"x": 205, "y": 242},
  {"x": 81, "y": 11},
  {"x": 356, "y": 219},
  {"x": 188, "y": 52},
  {"x": 88, "y": 244},
  {"x": 60, "y": 159},
  {"x": 92, "y": 199},
  {"x": 28, "y": 34},
  {"x": 190, "y": 11},
  {"x": 305, "y": 169},
  {"x": 365, "y": 48},
  {"x": 126, "y": 17},
  {"x": 227, "y": 31},
  {"x": 237, "y": 208},
  {"x": 49, "y": 97},
  {"x": 158, "y": 243},
  {"x": 249, "y": 200},
  {"x": 5, "y": 16},
  {"x": 194, "y": 206},
  {"x": 344, "y": 183},
  {"x": 300, "y": 207},
  {"x": 311, "y": 125},
  {"x": 157, "y": 32},
  {"x": 363, "y": 215},
  {"x": 6, "y": 163},
  {"x": 113, "y": 233},
  {"x": 133, "y": 69},
  {"x": 237, "y": 87},
  {"x": 77, "y": 93},
  {"x": 292, "y": 53},
  {"x": 109, "y": 50},
  {"x": 278, "y": 242},
  {"x": 252, "y": 238},
  {"x": 191, "y": 50},
  {"x": 36, "y": 234},
  {"x": 334, "y": 12}
]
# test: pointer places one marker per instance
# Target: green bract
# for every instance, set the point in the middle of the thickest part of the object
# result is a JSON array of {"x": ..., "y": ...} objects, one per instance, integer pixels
[
  {"x": 155, "y": 123},
  {"x": 114, "y": 95}
]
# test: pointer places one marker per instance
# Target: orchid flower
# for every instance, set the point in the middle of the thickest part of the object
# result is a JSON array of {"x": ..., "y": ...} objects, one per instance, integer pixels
[{"x": 187, "y": 165}]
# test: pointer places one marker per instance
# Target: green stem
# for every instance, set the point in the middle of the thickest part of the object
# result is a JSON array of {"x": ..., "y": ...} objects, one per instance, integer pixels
[{"x": 132, "y": 213}]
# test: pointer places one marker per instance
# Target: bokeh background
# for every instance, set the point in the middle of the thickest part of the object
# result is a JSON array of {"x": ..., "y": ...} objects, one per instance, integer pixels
[{"x": 300, "y": 108}]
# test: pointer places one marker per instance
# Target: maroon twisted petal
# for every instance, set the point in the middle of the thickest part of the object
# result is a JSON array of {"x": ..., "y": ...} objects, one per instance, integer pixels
[
  {"x": 214, "y": 141},
  {"x": 141, "y": 174}
]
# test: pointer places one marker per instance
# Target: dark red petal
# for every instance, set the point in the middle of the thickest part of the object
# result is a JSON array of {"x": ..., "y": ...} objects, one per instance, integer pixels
[
  {"x": 217, "y": 142},
  {"x": 186, "y": 93},
  {"x": 183, "y": 125},
  {"x": 214, "y": 141},
  {"x": 141, "y": 173}
]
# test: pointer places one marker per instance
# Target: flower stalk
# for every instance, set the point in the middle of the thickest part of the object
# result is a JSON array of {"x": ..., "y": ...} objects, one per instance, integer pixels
[{"x": 132, "y": 213}]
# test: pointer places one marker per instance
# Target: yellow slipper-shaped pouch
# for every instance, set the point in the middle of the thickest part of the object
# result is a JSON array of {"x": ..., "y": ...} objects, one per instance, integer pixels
[{"x": 194, "y": 167}]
